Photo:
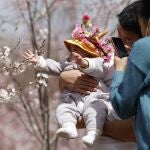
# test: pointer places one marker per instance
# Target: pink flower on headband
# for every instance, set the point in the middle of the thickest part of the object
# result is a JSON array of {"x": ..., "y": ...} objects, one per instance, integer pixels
[
  {"x": 108, "y": 50},
  {"x": 86, "y": 21},
  {"x": 78, "y": 33},
  {"x": 95, "y": 30},
  {"x": 86, "y": 17}
]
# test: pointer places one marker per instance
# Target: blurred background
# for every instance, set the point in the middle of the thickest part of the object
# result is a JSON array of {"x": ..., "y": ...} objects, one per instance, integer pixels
[{"x": 27, "y": 109}]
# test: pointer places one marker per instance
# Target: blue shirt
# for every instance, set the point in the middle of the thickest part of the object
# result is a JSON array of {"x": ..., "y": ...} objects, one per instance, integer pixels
[{"x": 130, "y": 92}]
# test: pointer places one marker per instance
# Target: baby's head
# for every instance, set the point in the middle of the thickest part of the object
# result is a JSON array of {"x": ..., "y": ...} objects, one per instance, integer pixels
[
  {"x": 88, "y": 42},
  {"x": 80, "y": 48}
]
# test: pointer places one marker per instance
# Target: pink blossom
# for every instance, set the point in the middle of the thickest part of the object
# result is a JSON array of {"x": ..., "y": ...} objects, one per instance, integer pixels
[
  {"x": 86, "y": 17},
  {"x": 95, "y": 29},
  {"x": 85, "y": 41},
  {"x": 78, "y": 32}
]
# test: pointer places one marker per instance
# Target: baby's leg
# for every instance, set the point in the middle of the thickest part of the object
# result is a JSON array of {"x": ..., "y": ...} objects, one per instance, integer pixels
[
  {"x": 66, "y": 116},
  {"x": 94, "y": 116}
]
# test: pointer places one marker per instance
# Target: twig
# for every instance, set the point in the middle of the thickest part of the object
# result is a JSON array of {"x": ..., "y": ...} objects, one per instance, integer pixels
[
  {"x": 23, "y": 122},
  {"x": 33, "y": 37},
  {"x": 35, "y": 8},
  {"x": 16, "y": 45},
  {"x": 35, "y": 119},
  {"x": 48, "y": 26}
]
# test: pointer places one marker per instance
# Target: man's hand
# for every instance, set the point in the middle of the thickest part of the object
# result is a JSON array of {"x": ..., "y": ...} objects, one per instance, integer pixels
[
  {"x": 77, "y": 81},
  {"x": 120, "y": 63}
]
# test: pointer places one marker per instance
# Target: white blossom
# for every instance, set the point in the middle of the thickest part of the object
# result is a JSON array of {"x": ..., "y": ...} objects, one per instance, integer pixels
[
  {"x": 7, "y": 95},
  {"x": 42, "y": 78},
  {"x": 21, "y": 69},
  {"x": 3, "y": 93},
  {"x": 38, "y": 74},
  {"x": 6, "y": 62},
  {"x": 45, "y": 83},
  {"x": 6, "y": 51},
  {"x": 43, "y": 11},
  {"x": 45, "y": 75},
  {"x": 13, "y": 90},
  {"x": 16, "y": 64},
  {"x": 4, "y": 96},
  {"x": 42, "y": 82},
  {"x": 43, "y": 33}
]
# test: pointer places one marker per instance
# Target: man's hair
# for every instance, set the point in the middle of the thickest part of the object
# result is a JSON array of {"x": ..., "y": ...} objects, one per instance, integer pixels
[
  {"x": 128, "y": 18},
  {"x": 145, "y": 12}
]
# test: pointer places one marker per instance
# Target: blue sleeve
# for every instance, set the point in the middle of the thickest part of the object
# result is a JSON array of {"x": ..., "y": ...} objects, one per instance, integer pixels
[{"x": 124, "y": 90}]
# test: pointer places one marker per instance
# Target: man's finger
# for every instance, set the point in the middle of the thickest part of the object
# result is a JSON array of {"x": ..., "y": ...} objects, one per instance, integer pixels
[
  {"x": 82, "y": 91},
  {"x": 89, "y": 80}
]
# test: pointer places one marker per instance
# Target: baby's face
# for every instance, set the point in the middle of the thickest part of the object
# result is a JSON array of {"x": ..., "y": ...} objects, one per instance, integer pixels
[{"x": 79, "y": 51}]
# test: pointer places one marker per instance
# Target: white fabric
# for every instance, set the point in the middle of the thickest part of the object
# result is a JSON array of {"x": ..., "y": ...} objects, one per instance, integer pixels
[
  {"x": 91, "y": 66},
  {"x": 100, "y": 70},
  {"x": 68, "y": 130},
  {"x": 41, "y": 62},
  {"x": 89, "y": 138},
  {"x": 80, "y": 106}
]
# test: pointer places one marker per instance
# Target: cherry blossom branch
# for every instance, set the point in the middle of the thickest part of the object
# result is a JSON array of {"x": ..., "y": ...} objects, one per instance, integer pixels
[{"x": 28, "y": 111}]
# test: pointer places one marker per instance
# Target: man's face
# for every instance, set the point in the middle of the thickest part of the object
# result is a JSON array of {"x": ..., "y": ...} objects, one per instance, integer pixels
[
  {"x": 127, "y": 37},
  {"x": 145, "y": 26}
]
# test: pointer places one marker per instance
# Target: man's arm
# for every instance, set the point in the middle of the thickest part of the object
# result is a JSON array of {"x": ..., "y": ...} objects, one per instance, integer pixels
[{"x": 120, "y": 129}]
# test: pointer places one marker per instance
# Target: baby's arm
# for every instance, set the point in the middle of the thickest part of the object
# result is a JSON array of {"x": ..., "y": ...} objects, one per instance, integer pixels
[
  {"x": 98, "y": 68},
  {"x": 95, "y": 67},
  {"x": 51, "y": 66}
]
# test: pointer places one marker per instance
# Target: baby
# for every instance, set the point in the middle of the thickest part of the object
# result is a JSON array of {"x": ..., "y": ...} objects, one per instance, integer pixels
[{"x": 94, "y": 57}]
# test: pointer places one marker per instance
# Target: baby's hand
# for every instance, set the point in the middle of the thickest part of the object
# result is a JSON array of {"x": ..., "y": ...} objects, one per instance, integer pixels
[
  {"x": 30, "y": 56},
  {"x": 75, "y": 57}
]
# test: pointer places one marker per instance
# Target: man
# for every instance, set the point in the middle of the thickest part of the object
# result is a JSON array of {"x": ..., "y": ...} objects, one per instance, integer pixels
[{"x": 130, "y": 89}]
